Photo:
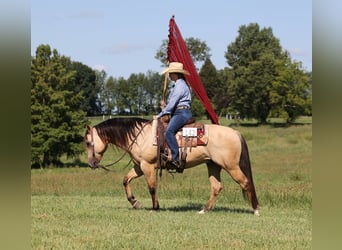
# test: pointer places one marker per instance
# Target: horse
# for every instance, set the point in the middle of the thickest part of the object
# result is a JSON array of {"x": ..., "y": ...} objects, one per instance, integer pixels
[{"x": 226, "y": 149}]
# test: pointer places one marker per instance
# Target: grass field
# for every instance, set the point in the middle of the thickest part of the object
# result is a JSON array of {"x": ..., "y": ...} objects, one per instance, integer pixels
[{"x": 78, "y": 208}]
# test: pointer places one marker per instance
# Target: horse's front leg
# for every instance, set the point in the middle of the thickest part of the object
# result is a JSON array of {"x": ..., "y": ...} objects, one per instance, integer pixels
[
  {"x": 150, "y": 173},
  {"x": 135, "y": 172}
]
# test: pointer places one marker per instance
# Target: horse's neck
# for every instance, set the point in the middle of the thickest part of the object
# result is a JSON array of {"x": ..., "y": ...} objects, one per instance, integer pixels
[{"x": 142, "y": 136}]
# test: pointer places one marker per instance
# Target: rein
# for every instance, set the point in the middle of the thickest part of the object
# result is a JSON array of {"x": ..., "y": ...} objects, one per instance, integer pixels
[{"x": 105, "y": 167}]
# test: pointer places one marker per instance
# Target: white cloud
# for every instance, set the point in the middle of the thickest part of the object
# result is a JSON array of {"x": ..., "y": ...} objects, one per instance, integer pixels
[
  {"x": 88, "y": 14},
  {"x": 99, "y": 67},
  {"x": 297, "y": 52},
  {"x": 123, "y": 48}
]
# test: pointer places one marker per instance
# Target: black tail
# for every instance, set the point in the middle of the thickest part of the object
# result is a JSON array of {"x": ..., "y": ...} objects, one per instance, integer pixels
[{"x": 245, "y": 166}]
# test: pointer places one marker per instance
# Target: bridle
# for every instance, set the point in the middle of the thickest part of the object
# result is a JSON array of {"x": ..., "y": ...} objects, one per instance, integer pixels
[
  {"x": 93, "y": 159},
  {"x": 92, "y": 145},
  {"x": 105, "y": 167}
]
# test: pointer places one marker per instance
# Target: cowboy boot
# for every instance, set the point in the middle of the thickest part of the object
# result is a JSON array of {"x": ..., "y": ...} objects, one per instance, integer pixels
[{"x": 181, "y": 166}]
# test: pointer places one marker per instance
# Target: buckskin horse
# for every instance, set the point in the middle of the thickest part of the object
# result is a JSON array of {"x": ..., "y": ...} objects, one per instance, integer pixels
[{"x": 225, "y": 149}]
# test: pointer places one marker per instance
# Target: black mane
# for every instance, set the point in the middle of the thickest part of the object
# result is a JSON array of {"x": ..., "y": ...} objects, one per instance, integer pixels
[{"x": 119, "y": 131}]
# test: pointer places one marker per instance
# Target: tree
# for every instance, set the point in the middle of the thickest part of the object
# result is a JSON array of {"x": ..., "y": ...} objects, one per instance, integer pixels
[
  {"x": 108, "y": 95},
  {"x": 198, "y": 50},
  {"x": 85, "y": 82},
  {"x": 257, "y": 61},
  {"x": 209, "y": 77},
  {"x": 153, "y": 93},
  {"x": 136, "y": 93},
  {"x": 101, "y": 95},
  {"x": 290, "y": 95},
  {"x": 216, "y": 88},
  {"x": 224, "y": 98},
  {"x": 56, "y": 115}
]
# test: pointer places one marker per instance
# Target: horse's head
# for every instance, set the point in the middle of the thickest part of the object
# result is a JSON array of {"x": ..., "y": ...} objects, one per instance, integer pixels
[{"x": 95, "y": 147}]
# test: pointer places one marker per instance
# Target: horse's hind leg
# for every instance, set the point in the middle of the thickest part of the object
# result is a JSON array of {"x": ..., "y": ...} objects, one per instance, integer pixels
[
  {"x": 214, "y": 174},
  {"x": 246, "y": 186},
  {"x": 135, "y": 172}
]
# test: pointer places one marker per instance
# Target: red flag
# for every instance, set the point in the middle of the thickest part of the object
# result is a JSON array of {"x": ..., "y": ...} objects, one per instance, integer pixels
[{"x": 178, "y": 52}]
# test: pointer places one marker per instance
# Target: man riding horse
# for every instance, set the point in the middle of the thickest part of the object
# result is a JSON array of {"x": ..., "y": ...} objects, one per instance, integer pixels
[{"x": 179, "y": 108}]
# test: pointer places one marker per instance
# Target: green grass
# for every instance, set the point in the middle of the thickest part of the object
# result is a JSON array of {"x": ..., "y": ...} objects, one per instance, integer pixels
[
  {"x": 78, "y": 208},
  {"x": 106, "y": 222}
]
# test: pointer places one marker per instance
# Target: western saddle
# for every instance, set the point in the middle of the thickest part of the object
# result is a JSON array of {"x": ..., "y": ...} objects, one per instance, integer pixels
[{"x": 192, "y": 134}]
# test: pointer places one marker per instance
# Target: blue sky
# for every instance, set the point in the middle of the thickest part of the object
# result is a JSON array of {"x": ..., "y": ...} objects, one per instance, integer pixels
[{"x": 122, "y": 37}]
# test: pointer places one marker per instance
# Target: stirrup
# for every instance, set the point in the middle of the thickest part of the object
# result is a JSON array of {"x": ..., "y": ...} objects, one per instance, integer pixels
[
  {"x": 181, "y": 166},
  {"x": 164, "y": 157},
  {"x": 177, "y": 166}
]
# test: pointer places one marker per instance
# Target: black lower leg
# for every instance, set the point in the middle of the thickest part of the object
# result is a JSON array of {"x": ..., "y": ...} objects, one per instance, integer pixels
[{"x": 155, "y": 203}]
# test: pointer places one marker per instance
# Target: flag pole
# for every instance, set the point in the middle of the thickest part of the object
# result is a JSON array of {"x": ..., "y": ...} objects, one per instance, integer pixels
[{"x": 162, "y": 104}]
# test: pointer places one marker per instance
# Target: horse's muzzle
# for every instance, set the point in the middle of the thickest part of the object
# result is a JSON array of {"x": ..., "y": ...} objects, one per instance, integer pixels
[{"x": 93, "y": 163}]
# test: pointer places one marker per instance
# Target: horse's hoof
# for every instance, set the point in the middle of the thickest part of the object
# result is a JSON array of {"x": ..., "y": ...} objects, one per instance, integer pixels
[
  {"x": 202, "y": 211},
  {"x": 136, "y": 205},
  {"x": 256, "y": 212}
]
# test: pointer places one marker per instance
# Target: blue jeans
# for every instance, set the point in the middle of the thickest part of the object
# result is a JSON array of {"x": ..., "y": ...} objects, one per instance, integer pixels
[{"x": 178, "y": 120}]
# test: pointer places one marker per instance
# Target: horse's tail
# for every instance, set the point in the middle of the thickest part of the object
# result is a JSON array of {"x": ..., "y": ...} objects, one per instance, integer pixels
[{"x": 245, "y": 166}]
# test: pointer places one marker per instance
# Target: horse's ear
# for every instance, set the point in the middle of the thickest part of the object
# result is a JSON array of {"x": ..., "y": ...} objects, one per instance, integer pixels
[{"x": 88, "y": 128}]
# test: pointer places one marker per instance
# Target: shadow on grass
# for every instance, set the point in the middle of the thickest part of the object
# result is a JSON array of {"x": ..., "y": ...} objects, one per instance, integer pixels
[
  {"x": 60, "y": 164},
  {"x": 77, "y": 164},
  {"x": 198, "y": 207}
]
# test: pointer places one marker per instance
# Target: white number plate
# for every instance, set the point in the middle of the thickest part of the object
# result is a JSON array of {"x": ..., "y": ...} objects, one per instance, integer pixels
[{"x": 190, "y": 132}]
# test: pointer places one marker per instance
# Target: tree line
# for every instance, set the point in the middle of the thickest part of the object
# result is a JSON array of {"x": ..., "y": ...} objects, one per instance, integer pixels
[{"x": 260, "y": 81}]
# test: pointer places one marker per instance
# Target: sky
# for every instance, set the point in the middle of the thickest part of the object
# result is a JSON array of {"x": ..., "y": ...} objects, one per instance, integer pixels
[{"x": 122, "y": 37}]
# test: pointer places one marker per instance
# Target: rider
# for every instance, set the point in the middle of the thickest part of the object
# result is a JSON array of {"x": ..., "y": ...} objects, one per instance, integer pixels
[{"x": 178, "y": 106}]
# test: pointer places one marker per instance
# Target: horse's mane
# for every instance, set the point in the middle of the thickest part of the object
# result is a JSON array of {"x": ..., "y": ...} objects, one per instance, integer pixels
[{"x": 119, "y": 131}]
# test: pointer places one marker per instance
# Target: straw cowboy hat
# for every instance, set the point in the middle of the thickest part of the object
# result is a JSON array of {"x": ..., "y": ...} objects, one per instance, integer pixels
[{"x": 175, "y": 67}]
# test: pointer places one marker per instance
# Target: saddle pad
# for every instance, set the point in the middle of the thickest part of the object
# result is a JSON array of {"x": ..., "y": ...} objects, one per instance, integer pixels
[{"x": 196, "y": 134}]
